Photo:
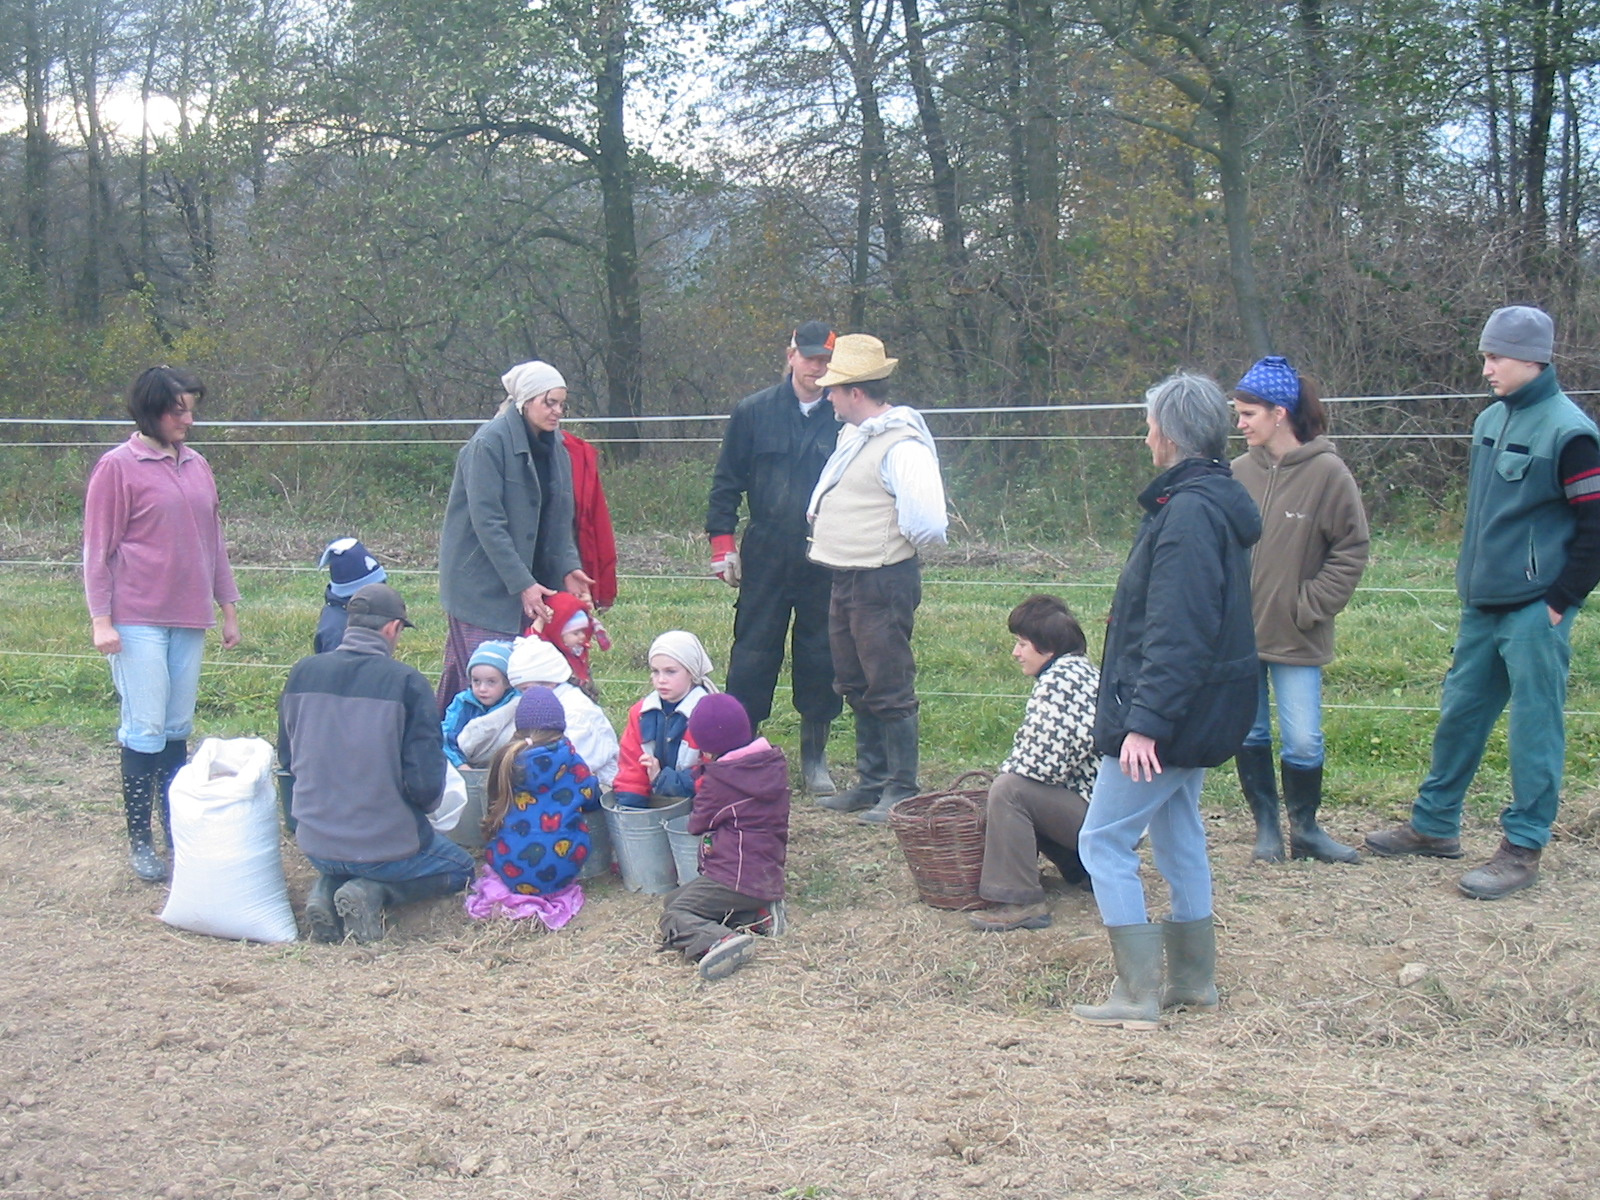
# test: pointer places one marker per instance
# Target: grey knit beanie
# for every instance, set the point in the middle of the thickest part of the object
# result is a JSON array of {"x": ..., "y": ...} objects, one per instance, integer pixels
[{"x": 1521, "y": 332}]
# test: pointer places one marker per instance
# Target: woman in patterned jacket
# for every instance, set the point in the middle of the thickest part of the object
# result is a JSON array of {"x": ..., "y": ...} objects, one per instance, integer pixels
[{"x": 1038, "y": 800}]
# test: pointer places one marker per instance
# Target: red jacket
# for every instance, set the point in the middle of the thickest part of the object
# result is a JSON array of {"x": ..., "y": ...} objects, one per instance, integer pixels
[{"x": 597, "y": 544}]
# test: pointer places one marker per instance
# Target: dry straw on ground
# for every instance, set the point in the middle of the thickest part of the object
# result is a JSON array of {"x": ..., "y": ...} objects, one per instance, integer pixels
[{"x": 1380, "y": 1037}]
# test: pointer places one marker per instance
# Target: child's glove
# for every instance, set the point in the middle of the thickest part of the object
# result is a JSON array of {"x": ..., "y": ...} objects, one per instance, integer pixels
[
  {"x": 601, "y": 637},
  {"x": 725, "y": 558}
]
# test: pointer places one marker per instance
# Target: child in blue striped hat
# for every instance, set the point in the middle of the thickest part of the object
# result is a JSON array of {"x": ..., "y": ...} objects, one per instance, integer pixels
[{"x": 488, "y": 688}]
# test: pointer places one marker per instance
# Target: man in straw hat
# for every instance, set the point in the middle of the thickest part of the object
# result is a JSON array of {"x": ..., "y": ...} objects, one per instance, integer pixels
[
  {"x": 773, "y": 451},
  {"x": 879, "y": 501},
  {"x": 1530, "y": 553}
]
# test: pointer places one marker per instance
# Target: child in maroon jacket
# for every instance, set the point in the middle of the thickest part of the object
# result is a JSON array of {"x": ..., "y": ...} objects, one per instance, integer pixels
[{"x": 741, "y": 811}]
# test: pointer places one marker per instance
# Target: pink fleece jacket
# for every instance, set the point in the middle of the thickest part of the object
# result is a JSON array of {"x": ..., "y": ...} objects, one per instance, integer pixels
[{"x": 153, "y": 552}]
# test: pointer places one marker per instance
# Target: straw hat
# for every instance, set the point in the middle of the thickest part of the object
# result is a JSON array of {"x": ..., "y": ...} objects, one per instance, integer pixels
[{"x": 857, "y": 358}]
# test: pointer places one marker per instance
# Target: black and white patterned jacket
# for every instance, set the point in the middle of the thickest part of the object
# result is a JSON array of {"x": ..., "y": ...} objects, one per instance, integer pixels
[{"x": 1055, "y": 743}]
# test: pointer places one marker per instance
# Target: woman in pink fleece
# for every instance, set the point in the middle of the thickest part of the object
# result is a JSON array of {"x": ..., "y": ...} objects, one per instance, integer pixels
[
  {"x": 741, "y": 811},
  {"x": 154, "y": 563}
]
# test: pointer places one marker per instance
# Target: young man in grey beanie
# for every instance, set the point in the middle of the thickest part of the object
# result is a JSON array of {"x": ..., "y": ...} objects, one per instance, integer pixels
[{"x": 1530, "y": 553}]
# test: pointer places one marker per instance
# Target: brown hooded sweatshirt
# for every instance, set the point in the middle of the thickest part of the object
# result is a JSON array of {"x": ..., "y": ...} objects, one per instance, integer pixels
[{"x": 1312, "y": 551}]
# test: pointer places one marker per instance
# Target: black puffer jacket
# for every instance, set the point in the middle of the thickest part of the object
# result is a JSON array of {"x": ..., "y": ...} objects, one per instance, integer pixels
[
  {"x": 772, "y": 454},
  {"x": 1180, "y": 660}
]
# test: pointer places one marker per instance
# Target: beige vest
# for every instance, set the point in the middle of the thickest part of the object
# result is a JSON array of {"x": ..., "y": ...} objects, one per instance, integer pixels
[{"x": 857, "y": 527}]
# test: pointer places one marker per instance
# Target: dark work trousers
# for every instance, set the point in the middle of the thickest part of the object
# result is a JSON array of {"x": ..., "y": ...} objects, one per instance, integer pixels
[
  {"x": 698, "y": 915},
  {"x": 778, "y": 581},
  {"x": 1027, "y": 818},
  {"x": 869, "y": 625}
]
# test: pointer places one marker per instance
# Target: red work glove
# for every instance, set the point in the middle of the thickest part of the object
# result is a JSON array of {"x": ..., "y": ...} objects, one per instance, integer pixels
[{"x": 725, "y": 558}]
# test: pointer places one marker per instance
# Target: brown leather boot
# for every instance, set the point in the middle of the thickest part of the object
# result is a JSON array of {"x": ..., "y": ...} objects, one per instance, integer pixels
[
  {"x": 1510, "y": 870},
  {"x": 1403, "y": 839}
]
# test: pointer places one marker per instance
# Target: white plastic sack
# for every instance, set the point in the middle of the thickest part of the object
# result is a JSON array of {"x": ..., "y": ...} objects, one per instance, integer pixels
[
  {"x": 448, "y": 814},
  {"x": 227, "y": 873}
]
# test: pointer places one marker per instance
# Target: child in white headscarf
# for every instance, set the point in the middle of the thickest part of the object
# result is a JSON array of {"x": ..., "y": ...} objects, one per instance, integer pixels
[{"x": 656, "y": 756}]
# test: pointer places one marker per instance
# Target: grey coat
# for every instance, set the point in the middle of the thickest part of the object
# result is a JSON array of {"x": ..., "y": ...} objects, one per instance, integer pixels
[{"x": 501, "y": 534}]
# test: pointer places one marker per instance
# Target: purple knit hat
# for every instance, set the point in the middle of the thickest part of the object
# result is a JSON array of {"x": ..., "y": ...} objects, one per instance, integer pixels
[
  {"x": 1273, "y": 380},
  {"x": 719, "y": 723},
  {"x": 539, "y": 709}
]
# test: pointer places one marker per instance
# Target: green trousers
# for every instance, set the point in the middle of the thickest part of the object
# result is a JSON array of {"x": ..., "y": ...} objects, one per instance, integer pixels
[{"x": 1516, "y": 657}]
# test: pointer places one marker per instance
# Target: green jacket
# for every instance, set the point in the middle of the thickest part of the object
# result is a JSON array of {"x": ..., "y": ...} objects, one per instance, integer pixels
[{"x": 1518, "y": 522}]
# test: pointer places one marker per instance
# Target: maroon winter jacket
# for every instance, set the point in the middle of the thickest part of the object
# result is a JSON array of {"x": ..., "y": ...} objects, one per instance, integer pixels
[{"x": 741, "y": 804}]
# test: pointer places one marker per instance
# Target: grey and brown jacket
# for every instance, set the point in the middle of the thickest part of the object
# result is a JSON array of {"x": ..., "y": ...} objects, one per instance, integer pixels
[{"x": 1312, "y": 551}]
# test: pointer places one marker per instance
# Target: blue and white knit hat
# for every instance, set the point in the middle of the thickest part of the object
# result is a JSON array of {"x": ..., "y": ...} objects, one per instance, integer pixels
[
  {"x": 492, "y": 654},
  {"x": 350, "y": 567},
  {"x": 1273, "y": 380}
]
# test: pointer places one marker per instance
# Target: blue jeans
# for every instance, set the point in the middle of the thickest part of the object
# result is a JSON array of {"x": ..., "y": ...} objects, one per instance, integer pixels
[
  {"x": 1119, "y": 812},
  {"x": 157, "y": 673},
  {"x": 441, "y": 857},
  {"x": 1518, "y": 657},
  {"x": 1299, "y": 693}
]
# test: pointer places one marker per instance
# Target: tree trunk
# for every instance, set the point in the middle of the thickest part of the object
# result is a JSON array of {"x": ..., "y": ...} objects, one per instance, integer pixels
[
  {"x": 961, "y": 330},
  {"x": 624, "y": 352},
  {"x": 35, "y": 142}
]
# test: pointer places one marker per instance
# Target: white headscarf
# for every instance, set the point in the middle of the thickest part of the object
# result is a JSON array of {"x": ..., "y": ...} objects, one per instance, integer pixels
[
  {"x": 534, "y": 660},
  {"x": 685, "y": 648},
  {"x": 527, "y": 380}
]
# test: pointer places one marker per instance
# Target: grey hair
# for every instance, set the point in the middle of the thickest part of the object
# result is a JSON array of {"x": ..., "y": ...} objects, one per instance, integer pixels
[{"x": 1192, "y": 413}]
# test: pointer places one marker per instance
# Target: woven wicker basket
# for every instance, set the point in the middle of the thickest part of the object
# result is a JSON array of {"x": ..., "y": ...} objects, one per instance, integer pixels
[{"x": 941, "y": 835}]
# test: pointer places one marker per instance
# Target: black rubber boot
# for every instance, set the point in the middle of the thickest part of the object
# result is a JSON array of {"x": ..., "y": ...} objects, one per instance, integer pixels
[
  {"x": 140, "y": 783},
  {"x": 1259, "y": 782},
  {"x": 872, "y": 768},
  {"x": 814, "y": 756},
  {"x": 172, "y": 760},
  {"x": 1302, "y": 796},
  {"x": 900, "y": 749}
]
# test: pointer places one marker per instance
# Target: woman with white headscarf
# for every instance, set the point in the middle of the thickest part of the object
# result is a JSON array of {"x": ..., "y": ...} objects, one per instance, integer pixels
[{"x": 507, "y": 541}]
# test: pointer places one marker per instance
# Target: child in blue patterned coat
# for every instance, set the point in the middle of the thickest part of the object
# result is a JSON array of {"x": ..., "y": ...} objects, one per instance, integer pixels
[{"x": 536, "y": 829}]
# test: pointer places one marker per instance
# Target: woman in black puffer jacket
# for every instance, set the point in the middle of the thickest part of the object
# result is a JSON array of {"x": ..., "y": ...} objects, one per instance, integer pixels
[{"x": 1177, "y": 695}]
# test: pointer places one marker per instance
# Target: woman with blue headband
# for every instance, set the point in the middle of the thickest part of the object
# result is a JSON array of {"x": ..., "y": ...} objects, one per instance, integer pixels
[{"x": 1312, "y": 552}]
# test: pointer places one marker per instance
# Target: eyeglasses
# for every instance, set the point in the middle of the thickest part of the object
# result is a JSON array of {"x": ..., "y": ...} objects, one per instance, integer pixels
[{"x": 551, "y": 403}]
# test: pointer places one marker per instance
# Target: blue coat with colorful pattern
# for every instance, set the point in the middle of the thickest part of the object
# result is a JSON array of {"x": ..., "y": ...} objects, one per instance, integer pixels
[{"x": 543, "y": 841}]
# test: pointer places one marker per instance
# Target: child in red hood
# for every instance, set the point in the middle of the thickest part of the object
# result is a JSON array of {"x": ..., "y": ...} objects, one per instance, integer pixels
[
  {"x": 741, "y": 811},
  {"x": 571, "y": 629}
]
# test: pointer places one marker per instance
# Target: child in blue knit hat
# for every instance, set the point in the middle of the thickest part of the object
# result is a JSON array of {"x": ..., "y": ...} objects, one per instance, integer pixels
[
  {"x": 350, "y": 568},
  {"x": 488, "y": 688}
]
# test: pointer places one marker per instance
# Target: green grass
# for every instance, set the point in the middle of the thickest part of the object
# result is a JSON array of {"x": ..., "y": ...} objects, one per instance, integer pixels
[{"x": 1381, "y": 693}]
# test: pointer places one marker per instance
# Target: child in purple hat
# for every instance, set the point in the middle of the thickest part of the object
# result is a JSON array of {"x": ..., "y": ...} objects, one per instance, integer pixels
[
  {"x": 535, "y": 832},
  {"x": 741, "y": 812},
  {"x": 350, "y": 568}
]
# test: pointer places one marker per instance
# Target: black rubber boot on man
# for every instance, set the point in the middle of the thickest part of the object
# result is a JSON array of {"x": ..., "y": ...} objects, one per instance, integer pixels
[
  {"x": 814, "y": 756},
  {"x": 900, "y": 744},
  {"x": 872, "y": 768}
]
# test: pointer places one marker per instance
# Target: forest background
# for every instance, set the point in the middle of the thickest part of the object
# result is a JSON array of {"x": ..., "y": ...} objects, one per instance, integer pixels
[{"x": 355, "y": 209}]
